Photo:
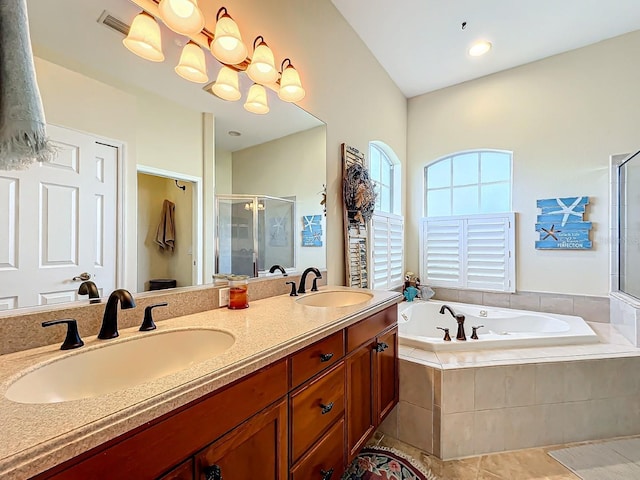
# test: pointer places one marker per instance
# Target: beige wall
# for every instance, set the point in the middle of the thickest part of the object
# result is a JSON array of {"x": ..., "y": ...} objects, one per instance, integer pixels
[
  {"x": 291, "y": 166},
  {"x": 224, "y": 172},
  {"x": 153, "y": 262},
  {"x": 562, "y": 117},
  {"x": 346, "y": 88}
]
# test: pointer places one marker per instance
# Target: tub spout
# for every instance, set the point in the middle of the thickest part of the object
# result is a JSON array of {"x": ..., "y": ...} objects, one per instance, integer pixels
[{"x": 461, "y": 336}]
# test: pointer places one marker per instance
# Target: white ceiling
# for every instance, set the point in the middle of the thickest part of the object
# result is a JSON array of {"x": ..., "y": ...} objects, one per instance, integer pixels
[
  {"x": 422, "y": 46},
  {"x": 67, "y": 32}
]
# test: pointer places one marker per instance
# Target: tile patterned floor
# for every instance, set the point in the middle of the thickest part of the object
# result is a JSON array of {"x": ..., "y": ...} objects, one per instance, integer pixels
[{"x": 531, "y": 464}]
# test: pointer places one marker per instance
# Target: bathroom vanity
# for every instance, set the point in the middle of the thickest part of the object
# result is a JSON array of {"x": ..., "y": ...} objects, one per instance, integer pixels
[{"x": 300, "y": 408}]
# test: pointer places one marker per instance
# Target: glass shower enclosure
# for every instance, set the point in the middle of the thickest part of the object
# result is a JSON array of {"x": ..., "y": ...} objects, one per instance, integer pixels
[
  {"x": 629, "y": 225},
  {"x": 253, "y": 233}
]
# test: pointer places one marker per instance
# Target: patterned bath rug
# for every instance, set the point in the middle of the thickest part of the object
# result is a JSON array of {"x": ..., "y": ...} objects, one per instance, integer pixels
[{"x": 383, "y": 463}]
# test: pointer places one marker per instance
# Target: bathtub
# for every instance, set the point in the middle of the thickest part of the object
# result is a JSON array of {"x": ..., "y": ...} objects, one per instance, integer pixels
[{"x": 503, "y": 327}]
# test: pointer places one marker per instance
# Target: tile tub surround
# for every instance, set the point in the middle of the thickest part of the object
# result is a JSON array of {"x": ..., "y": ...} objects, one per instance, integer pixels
[
  {"x": 590, "y": 308},
  {"x": 625, "y": 316},
  {"x": 36, "y": 437},
  {"x": 22, "y": 330},
  {"x": 459, "y": 404}
]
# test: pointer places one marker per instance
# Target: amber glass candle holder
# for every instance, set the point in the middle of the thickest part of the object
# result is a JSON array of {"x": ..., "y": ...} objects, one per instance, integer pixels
[{"x": 238, "y": 297}]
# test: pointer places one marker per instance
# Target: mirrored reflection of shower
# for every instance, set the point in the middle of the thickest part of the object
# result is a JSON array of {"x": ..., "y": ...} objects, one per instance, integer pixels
[
  {"x": 254, "y": 232},
  {"x": 629, "y": 225}
]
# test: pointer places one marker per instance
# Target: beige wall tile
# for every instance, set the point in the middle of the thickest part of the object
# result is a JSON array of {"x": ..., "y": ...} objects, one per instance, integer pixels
[
  {"x": 437, "y": 387},
  {"x": 416, "y": 384},
  {"x": 447, "y": 294},
  {"x": 549, "y": 383},
  {"x": 525, "y": 301},
  {"x": 415, "y": 426},
  {"x": 389, "y": 425},
  {"x": 457, "y": 390},
  {"x": 457, "y": 435},
  {"x": 496, "y": 299},
  {"x": 488, "y": 431},
  {"x": 592, "y": 309},
  {"x": 557, "y": 304},
  {"x": 437, "y": 429},
  {"x": 470, "y": 296},
  {"x": 552, "y": 417},
  {"x": 520, "y": 385},
  {"x": 490, "y": 390},
  {"x": 579, "y": 422},
  {"x": 523, "y": 427},
  {"x": 577, "y": 380}
]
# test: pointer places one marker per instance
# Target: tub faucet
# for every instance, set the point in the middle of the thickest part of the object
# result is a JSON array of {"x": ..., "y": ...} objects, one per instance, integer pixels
[
  {"x": 109, "y": 327},
  {"x": 460, "y": 335},
  {"x": 278, "y": 267},
  {"x": 303, "y": 279}
]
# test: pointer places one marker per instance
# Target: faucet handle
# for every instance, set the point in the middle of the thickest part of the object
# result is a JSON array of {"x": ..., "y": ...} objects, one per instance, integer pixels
[
  {"x": 314, "y": 285},
  {"x": 447, "y": 337},
  {"x": 474, "y": 334},
  {"x": 147, "y": 323},
  {"x": 72, "y": 340},
  {"x": 293, "y": 289}
]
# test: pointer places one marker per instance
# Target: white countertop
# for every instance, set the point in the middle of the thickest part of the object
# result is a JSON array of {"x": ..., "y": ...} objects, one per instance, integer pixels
[{"x": 36, "y": 437}]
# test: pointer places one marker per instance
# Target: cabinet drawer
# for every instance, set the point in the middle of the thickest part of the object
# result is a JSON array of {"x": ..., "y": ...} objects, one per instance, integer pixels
[
  {"x": 315, "y": 358},
  {"x": 368, "y": 328},
  {"x": 314, "y": 408},
  {"x": 183, "y": 471},
  {"x": 326, "y": 460}
]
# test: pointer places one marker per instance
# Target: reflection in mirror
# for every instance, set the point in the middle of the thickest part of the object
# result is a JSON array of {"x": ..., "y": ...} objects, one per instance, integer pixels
[{"x": 124, "y": 115}]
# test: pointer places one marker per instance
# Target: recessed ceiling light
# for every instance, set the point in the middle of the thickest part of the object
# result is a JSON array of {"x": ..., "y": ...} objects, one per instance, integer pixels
[
  {"x": 479, "y": 48},
  {"x": 234, "y": 133}
]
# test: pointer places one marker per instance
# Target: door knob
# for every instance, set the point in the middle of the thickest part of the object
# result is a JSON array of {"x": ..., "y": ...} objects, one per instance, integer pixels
[{"x": 83, "y": 277}]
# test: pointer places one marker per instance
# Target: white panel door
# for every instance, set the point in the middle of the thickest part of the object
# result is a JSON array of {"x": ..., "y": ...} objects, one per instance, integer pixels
[{"x": 58, "y": 220}]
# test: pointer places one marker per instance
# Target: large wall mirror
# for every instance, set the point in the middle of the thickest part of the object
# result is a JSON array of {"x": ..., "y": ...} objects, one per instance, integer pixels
[{"x": 133, "y": 145}]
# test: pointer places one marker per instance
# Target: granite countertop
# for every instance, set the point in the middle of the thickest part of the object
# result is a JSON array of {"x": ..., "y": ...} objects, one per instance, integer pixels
[{"x": 36, "y": 437}]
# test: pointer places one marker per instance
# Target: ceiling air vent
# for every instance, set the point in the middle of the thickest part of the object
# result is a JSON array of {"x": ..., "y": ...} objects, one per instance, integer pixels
[{"x": 113, "y": 23}]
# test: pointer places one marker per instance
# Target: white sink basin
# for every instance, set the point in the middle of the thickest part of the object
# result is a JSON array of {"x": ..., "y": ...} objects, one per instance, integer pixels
[
  {"x": 335, "y": 298},
  {"x": 118, "y": 365}
]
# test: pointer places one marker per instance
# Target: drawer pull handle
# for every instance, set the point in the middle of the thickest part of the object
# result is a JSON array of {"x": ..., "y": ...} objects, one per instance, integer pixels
[
  {"x": 381, "y": 347},
  {"x": 326, "y": 408},
  {"x": 325, "y": 357},
  {"x": 326, "y": 474},
  {"x": 213, "y": 472}
]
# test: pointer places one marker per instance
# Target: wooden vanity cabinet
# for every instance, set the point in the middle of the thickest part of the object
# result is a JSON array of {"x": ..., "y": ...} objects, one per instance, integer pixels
[
  {"x": 372, "y": 376},
  {"x": 302, "y": 418}
]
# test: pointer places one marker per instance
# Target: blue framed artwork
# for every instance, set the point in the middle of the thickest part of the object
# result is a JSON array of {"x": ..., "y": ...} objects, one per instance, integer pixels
[
  {"x": 312, "y": 231},
  {"x": 561, "y": 224}
]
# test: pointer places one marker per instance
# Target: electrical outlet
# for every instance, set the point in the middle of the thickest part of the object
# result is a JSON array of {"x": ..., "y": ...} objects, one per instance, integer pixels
[{"x": 223, "y": 297}]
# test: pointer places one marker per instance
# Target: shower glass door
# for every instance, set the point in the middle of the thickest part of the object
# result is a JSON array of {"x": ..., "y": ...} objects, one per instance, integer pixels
[
  {"x": 629, "y": 225},
  {"x": 235, "y": 252}
]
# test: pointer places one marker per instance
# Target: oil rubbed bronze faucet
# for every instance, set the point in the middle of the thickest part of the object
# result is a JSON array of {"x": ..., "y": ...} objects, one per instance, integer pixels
[
  {"x": 460, "y": 335},
  {"x": 278, "y": 267},
  {"x": 303, "y": 280},
  {"x": 109, "y": 327}
]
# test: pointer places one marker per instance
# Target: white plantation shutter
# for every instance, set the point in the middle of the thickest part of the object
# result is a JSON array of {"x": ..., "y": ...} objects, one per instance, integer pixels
[
  {"x": 387, "y": 240},
  {"x": 470, "y": 251}
]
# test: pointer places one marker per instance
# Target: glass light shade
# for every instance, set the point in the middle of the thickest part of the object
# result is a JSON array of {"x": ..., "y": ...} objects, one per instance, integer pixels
[
  {"x": 182, "y": 16},
  {"x": 262, "y": 69},
  {"x": 192, "y": 64},
  {"x": 227, "y": 45},
  {"x": 479, "y": 48},
  {"x": 290, "y": 85},
  {"x": 144, "y": 38},
  {"x": 226, "y": 86},
  {"x": 257, "y": 100}
]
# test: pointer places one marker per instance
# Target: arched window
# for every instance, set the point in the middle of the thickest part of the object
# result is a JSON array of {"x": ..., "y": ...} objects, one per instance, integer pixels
[
  {"x": 467, "y": 237},
  {"x": 385, "y": 172},
  {"x": 467, "y": 183}
]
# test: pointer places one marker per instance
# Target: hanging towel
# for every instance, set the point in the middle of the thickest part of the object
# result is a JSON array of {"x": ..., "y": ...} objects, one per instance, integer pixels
[
  {"x": 166, "y": 231},
  {"x": 23, "y": 139}
]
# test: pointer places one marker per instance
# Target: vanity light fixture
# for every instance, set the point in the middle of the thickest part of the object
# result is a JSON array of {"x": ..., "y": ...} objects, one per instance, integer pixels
[
  {"x": 480, "y": 48},
  {"x": 143, "y": 38},
  {"x": 227, "y": 45},
  {"x": 192, "y": 65},
  {"x": 290, "y": 85},
  {"x": 182, "y": 16},
  {"x": 262, "y": 68},
  {"x": 226, "y": 85},
  {"x": 257, "y": 100}
]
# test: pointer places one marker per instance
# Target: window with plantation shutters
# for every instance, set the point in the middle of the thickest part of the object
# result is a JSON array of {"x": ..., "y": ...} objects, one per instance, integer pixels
[
  {"x": 469, "y": 251},
  {"x": 387, "y": 239}
]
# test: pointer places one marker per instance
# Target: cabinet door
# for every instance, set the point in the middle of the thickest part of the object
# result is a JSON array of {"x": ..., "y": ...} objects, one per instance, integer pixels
[
  {"x": 183, "y": 471},
  {"x": 386, "y": 373},
  {"x": 257, "y": 449},
  {"x": 361, "y": 416}
]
